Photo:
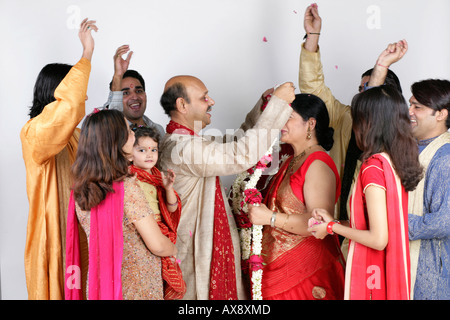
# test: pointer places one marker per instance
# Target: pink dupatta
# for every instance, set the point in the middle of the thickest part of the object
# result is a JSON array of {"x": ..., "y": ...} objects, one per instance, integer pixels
[{"x": 105, "y": 249}]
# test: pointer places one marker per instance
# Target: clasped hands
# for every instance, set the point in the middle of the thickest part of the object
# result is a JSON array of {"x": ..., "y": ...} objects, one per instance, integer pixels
[{"x": 317, "y": 224}]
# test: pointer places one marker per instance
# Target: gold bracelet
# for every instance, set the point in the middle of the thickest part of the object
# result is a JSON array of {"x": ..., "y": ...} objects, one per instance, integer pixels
[
  {"x": 285, "y": 221},
  {"x": 272, "y": 220}
]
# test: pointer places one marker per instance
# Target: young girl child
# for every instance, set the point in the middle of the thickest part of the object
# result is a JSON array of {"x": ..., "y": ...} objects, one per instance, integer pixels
[
  {"x": 378, "y": 264},
  {"x": 163, "y": 200},
  {"x": 124, "y": 240}
]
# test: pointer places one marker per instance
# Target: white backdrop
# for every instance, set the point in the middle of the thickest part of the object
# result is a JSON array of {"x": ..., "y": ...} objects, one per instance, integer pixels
[{"x": 219, "y": 41}]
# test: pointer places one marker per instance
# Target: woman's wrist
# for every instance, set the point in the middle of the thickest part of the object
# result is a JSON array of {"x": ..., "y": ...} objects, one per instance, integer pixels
[
  {"x": 273, "y": 219},
  {"x": 330, "y": 226},
  {"x": 172, "y": 203}
]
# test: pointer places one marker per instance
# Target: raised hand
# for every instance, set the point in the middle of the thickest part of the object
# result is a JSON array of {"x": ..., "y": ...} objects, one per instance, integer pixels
[
  {"x": 393, "y": 53},
  {"x": 267, "y": 93},
  {"x": 312, "y": 24},
  {"x": 121, "y": 64},
  {"x": 312, "y": 21},
  {"x": 286, "y": 91},
  {"x": 86, "y": 37},
  {"x": 168, "y": 179}
]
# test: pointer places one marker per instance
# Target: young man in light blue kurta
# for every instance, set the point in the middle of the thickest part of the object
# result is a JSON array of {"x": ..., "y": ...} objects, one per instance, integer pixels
[{"x": 429, "y": 204}]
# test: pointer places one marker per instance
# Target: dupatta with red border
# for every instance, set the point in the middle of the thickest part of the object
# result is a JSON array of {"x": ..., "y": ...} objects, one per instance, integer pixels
[{"x": 374, "y": 274}]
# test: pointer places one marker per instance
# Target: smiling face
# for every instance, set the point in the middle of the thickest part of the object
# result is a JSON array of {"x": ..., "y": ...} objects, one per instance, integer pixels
[
  {"x": 145, "y": 153},
  {"x": 134, "y": 99},
  {"x": 200, "y": 103},
  {"x": 295, "y": 129},
  {"x": 424, "y": 122}
]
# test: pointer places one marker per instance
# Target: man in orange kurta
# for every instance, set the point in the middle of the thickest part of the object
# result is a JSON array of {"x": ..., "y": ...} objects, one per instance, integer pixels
[{"x": 49, "y": 145}]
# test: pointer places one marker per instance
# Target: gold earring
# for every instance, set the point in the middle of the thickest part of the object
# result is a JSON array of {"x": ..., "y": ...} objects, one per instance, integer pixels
[{"x": 308, "y": 134}]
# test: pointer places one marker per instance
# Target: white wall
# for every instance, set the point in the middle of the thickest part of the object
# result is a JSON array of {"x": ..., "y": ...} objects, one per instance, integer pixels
[{"x": 220, "y": 41}]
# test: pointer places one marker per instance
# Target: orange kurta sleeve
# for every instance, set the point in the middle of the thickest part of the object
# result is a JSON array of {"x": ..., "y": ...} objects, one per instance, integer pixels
[{"x": 43, "y": 137}]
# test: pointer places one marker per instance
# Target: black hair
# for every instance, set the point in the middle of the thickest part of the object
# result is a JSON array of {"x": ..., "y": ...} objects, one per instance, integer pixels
[
  {"x": 381, "y": 123},
  {"x": 311, "y": 106},
  {"x": 170, "y": 96},
  {"x": 391, "y": 79},
  {"x": 132, "y": 74},
  {"x": 140, "y": 132},
  {"x": 434, "y": 94},
  {"x": 46, "y": 83}
]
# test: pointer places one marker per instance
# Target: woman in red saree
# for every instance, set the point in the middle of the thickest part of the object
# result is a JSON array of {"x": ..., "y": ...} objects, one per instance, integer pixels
[
  {"x": 297, "y": 265},
  {"x": 378, "y": 264}
]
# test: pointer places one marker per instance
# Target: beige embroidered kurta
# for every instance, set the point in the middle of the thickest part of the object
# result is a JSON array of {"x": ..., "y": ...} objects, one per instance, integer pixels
[
  {"x": 197, "y": 161},
  {"x": 49, "y": 144}
]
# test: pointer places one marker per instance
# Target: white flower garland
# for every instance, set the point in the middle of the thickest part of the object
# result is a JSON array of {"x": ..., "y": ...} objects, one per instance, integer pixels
[{"x": 251, "y": 237}]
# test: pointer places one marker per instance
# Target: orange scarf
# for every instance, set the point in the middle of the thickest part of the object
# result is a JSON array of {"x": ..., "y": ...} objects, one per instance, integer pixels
[{"x": 174, "y": 285}]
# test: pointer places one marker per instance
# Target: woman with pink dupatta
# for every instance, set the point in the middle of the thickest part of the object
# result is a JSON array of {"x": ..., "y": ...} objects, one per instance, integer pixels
[
  {"x": 378, "y": 266},
  {"x": 124, "y": 240}
]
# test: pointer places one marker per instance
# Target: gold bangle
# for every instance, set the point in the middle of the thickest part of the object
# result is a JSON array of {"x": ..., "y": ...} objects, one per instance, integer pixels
[{"x": 285, "y": 221}]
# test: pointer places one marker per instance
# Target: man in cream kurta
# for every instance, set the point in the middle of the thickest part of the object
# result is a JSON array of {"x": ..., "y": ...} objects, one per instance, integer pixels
[{"x": 198, "y": 160}]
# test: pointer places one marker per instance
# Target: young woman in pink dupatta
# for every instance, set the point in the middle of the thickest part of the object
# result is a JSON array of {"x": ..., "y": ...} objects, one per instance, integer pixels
[
  {"x": 378, "y": 266},
  {"x": 124, "y": 240}
]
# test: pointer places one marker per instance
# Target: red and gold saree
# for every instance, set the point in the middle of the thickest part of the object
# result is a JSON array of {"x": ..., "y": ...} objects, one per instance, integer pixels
[{"x": 298, "y": 267}]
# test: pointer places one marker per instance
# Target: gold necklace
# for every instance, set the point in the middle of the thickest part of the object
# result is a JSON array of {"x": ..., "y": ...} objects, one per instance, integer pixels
[{"x": 298, "y": 157}]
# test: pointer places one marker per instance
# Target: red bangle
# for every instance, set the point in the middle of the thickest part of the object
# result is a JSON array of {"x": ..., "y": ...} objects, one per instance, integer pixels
[
  {"x": 382, "y": 66},
  {"x": 330, "y": 226}
]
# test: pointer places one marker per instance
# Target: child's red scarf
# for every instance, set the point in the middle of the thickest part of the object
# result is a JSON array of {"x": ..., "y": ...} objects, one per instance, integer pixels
[{"x": 174, "y": 285}]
